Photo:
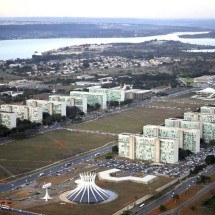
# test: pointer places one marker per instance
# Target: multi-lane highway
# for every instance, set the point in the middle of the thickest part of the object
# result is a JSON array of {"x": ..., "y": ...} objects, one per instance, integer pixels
[
  {"x": 183, "y": 186},
  {"x": 87, "y": 156},
  {"x": 52, "y": 169}
]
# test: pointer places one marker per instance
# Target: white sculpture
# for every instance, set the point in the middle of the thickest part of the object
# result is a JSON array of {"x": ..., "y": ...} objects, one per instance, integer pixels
[{"x": 46, "y": 186}]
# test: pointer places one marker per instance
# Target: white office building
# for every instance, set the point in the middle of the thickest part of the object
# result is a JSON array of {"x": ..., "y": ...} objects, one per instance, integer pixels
[
  {"x": 8, "y": 119},
  {"x": 112, "y": 93},
  {"x": 92, "y": 98},
  {"x": 50, "y": 107},
  {"x": 207, "y": 129},
  {"x": 33, "y": 114},
  {"x": 136, "y": 146},
  {"x": 80, "y": 102},
  {"x": 188, "y": 138}
]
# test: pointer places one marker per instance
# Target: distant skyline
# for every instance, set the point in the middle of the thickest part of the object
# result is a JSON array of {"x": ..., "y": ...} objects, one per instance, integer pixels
[{"x": 149, "y": 9}]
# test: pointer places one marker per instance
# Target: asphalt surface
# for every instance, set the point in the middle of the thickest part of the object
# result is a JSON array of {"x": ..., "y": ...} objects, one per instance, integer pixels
[
  {"x": 77, "y": 160},
  {"x": 50, "y": 170},
  {"x": 183, "y": 186},
  {"x": 20, "y": 212},
  {"x": 199, "y": 194}
]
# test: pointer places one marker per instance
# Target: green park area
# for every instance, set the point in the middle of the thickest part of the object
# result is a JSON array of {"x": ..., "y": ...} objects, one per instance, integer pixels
[
  {"x": 44, "y": 149},
  {"x": 130, "y": 120},
  {"x": 26, "y": 155}
]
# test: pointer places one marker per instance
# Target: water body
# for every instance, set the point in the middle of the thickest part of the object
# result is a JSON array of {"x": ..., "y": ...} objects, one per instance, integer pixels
[
  {"x": 202, "y": 50},
  {"x": 24, "y": 48}
]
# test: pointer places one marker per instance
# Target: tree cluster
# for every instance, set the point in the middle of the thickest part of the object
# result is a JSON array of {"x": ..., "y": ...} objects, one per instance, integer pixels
[
  {"x": 23, "y": 125},
  {"x": 23, "y": 129},
  {"x": 51, "y": 119},
  {"x": 197, "y": 169},
  {"x": 209, "y": 203},
  {"x": 203, "y": 179},
  {"x": 162, "y": 208},
  {"x": 210, "y": 159},
  {"x": 93, "y": 107},
  {"x": 115, "y": 149},
  {"x": 73, "y": 112},
  {"x": 182, "y": 154}
]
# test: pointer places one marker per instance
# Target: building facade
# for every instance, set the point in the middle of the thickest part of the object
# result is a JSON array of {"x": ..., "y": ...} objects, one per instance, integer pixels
[
  {"x": 136, "y": 146},
  {"x": 201, "y": 117},
  {"x": 50, "y": 107},
  {"x": 92, "y": 98},
  {"x": 112, "y": 94},
  {"x": 188, "y": 138},
  {"x": 137, "y": 94},
  {"x": 207, "y": 110},
  {"x": 33, "y": 114},
  {"x": 207, "y": 129},
  {"x": 8, "y": 119},
  {"x": 80, "y": 102}
]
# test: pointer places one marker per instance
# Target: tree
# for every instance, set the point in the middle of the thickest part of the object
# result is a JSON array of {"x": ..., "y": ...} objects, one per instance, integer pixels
[
  {"x": 210, "y": 159},
  {"x": 45, "y": 115},
  {"x": 162, "y": 208},
  {"x": 202, "y": 143},
  {"x": 212, "y": 142},
  {"x": 203, "y": 179},
  {"x": 126, "y": 102},
  {"x": 197, "y": 169},
  {"x": 126, "y": 212},
  {"x": 93, "y": 108},
  {"x": 18, "y": 136},
  {"x": 175, "y": 197},
  {"x": 183, "y": 153},
  {"x": 97, "y": 106},
  {"x": 81, "y": 113},
  {"x": 72, "y": 112},
  {"x": 108, "y": 157},
  {"x": 115, "y": 149},
  {"x": 114, "y": 103},
  {"x": 4, "y": 131},
  {"x": 50, "y": 119}
]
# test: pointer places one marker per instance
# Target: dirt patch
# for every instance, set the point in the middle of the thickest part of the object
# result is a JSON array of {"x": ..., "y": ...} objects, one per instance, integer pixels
[
  {"x": 20, "y": 194},
  {"x": 127, "y": 192}
]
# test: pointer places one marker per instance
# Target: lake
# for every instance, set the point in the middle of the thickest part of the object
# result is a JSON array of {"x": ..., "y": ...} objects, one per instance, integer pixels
[{"x": 24, "y": 48}]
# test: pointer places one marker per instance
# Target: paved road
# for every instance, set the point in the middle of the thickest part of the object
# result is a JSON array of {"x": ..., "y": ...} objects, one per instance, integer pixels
[
  {"x": 194, "y": 198},
  {"x": 54, "y": 168},
  {"x": 89, "y": 131},
  {"x": 59, "y": 166},
  {"x": 20, "y": 212},
  {"x": 178, "y": 189},
  {"x": 94, "y": 115}
]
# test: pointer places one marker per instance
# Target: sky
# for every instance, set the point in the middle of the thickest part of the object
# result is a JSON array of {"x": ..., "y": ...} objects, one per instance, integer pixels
[{"x": 165, "y": 9}]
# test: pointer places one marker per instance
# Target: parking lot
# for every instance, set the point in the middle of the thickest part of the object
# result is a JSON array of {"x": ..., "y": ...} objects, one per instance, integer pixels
[{"x": 174, "y": 170}]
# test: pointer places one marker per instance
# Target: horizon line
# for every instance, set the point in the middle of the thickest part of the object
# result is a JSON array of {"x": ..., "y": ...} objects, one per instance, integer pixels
[{"x": 16, "y": 17}]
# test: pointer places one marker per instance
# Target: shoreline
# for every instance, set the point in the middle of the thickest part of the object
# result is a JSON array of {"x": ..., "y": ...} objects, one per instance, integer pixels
[{"x": 25, "y": 48}]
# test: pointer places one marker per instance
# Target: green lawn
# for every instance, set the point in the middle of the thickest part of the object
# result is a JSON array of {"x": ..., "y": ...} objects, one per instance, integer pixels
[
  {"x": 41, "y": 150},
  {"x": 24, "y": 155},
  {"x": 129, "y": 121}
]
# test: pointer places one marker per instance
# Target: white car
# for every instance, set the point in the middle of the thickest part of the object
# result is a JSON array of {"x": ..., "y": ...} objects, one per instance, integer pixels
[
  {"x": 41, "y": 174},
  {"x": 142, "y": 205}
]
